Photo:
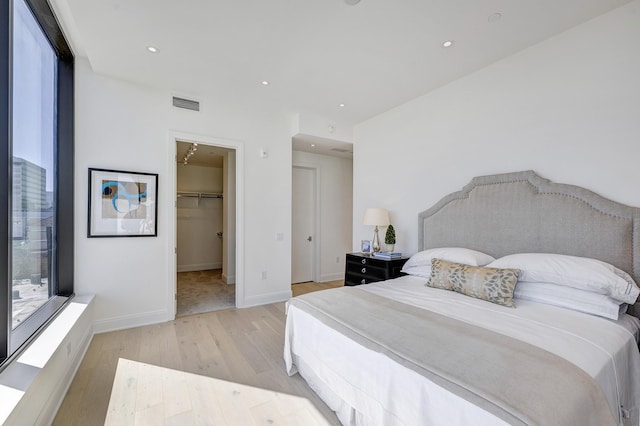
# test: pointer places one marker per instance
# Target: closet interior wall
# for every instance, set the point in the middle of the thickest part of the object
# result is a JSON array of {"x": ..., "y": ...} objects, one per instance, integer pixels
[{"x": 199, "y": 213}]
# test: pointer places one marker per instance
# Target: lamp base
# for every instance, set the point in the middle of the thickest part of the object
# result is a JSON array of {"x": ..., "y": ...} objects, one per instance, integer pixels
[{"x": 375, "y": 244}]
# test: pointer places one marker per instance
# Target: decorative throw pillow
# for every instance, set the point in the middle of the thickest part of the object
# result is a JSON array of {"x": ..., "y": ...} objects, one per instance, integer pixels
[{"x": 491, "y": 284}]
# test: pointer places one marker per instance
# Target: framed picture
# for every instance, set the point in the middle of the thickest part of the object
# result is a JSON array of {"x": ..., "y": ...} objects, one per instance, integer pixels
[
  {"x": 365, "y": 246},
  {"x": 122, "y": 204}
]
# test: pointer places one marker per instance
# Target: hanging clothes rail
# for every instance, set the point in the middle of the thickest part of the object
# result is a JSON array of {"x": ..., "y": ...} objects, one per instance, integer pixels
[{"x": 198, "y": 195}]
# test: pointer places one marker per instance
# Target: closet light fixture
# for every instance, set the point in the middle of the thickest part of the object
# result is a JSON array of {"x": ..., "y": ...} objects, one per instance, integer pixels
[{"x": 192, "y": 150}]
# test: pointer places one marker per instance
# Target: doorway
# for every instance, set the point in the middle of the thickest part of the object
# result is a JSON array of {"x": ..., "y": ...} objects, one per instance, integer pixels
[
  {"x": 205, "y": 228},
  {"x": 303, "y": 227},
  {"x": 322, "y": 208}
]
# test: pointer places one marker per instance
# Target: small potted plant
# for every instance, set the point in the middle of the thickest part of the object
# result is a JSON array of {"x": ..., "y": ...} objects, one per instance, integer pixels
[{"x": 390, "y": 238}]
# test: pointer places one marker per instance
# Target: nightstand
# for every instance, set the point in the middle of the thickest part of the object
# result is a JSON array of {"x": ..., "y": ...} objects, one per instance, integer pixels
[{"x": 363, "y": 268}]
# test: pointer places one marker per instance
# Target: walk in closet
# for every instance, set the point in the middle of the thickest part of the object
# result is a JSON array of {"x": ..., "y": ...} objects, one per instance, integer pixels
[{"x": 204, "y": 281}]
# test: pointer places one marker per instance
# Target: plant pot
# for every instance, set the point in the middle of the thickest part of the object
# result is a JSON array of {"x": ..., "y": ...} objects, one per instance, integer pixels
[{"x": 390, "y": 247}]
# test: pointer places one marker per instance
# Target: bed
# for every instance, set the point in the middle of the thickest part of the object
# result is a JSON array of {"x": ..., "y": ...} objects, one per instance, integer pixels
[{"x": 402, "y": 352}]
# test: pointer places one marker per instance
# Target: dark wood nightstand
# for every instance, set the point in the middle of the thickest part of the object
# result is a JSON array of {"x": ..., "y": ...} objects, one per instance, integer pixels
[{"x": 364, "y": 268}]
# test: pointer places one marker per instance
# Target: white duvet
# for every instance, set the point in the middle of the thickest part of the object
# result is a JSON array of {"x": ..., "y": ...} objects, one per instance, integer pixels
[{"x": 365, "y": 387}]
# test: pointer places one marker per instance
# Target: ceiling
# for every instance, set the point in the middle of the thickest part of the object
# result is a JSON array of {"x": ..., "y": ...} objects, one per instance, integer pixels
[
  {"x": 322, "y": 146},
  {"x": 204, "y": 155},
  {"x": 316, "y": 54}
]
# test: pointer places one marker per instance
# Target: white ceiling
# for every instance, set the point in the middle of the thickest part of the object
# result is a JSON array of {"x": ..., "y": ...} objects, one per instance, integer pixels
[
  {"x": 322, "y": 146},
  {"x": 315, "y": 53},
  {"x": 204, "y": 155}
]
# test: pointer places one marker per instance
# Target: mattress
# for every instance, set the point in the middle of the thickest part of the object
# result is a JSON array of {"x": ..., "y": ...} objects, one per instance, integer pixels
[{"x": 365, "y": 387}]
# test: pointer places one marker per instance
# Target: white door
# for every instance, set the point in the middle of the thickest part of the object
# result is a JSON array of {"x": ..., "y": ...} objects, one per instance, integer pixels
[{"x": 303, "y": 226}]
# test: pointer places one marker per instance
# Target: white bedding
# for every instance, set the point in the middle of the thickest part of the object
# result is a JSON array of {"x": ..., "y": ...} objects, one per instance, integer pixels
[{"x": 365, "y": 387}]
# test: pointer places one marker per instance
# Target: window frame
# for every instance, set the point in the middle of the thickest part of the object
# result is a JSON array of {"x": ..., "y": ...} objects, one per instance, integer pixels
[{"x": 13, "y": 340}]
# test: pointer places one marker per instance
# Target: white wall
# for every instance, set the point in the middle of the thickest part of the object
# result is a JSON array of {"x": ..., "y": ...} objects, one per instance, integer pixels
[
  {"x": 195, "y": 178},
  {"x": 336, "y": 195},
  {"x": 199, "y": 220},
  {"x": 568, "y": 108},
  {"x": 127, "y": 127},
  {"x": 322, "y": 127}
]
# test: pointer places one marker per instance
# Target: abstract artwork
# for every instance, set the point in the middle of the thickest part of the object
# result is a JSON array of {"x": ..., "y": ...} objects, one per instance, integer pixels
[{"x": 122, "y": 204}]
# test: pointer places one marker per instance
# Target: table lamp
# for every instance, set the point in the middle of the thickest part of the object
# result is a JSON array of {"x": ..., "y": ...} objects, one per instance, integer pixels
[{"x": 376, "y": 217}]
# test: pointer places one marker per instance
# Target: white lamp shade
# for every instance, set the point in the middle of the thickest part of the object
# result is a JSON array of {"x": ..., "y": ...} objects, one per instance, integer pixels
[{"x": 376, "y": 217}]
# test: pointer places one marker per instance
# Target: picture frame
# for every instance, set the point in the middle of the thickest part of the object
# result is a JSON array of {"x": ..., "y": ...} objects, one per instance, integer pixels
[
  {"x": 365, "y": 246},
  {"x": 122, "y": 204}
]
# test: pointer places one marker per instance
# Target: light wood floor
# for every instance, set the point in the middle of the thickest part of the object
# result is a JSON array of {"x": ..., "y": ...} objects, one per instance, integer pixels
[{"x": 237, "y": 345}]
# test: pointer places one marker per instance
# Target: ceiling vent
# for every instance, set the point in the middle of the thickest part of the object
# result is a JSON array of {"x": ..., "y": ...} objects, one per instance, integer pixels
[
  {"x": 342, "y": 150},
  {"x": 186, "y": 104}
]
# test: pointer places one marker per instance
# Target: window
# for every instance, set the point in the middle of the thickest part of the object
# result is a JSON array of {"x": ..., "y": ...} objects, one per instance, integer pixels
[{"x": 36, "y": 196}]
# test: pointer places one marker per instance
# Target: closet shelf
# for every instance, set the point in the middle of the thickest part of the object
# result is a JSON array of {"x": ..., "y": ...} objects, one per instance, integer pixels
[{"x": 199, "y": 195}]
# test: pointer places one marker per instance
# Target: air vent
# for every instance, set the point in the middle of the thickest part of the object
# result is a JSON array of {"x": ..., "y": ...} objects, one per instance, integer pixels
[
  {"x": 186, "y": 104},
  {"x": 342, "y": 150}
]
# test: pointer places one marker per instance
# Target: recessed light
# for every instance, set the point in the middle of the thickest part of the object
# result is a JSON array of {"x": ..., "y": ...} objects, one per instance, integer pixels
[
  {"x": 341, "y": 105},
  {"x": 494, "y": 17},
  {"x": 264, "y": 82},
  {"x": 313, "y": 145},
  {"x": 152, "y": 49},
  {"x": 447, "y": 43}
]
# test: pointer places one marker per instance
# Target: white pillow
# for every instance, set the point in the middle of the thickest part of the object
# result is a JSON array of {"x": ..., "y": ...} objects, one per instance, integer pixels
[
  {"x": 418, "y": 271},
  {"x": 420, "y": 263},
  {"x": 570, "y": 298},
  {"x": 571, "y": 271}
]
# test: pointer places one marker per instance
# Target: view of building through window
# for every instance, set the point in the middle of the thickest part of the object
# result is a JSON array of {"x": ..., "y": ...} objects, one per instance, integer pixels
[{"x": 33, "y": 143}]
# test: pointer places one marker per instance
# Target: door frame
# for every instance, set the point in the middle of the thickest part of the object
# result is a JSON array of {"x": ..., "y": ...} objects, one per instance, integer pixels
[
  {"x": 316, "y": 256},
  {"x": 169, "y": 194}
]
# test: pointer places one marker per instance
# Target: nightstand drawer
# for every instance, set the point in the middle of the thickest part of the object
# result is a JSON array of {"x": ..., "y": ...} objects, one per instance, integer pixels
[
  {"x": 364, "y": 269},
  {"x": 353, "y": 280}
]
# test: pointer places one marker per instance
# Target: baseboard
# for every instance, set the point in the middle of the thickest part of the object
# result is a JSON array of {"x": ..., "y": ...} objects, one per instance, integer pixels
[
  {"x": 229, "y": 279},
  {"x": 199, "y": 267},
  {"x": 331, "y": 277},
  {"x": 130, "y": 321},
  {"x": 266, "y": 299}
]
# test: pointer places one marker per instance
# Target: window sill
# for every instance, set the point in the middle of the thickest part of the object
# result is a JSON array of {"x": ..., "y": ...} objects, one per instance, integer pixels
[{"x": 34, "y": 384}]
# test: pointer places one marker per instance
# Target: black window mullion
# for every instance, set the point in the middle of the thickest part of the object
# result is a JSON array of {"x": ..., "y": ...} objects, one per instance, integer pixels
[
  {"x": 5, "y": 180},
  {"x": 64, "y": 265}
]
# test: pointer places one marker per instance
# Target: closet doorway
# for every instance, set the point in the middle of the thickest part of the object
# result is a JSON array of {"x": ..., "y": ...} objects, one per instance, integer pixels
[{"x": 205, "y": 228}]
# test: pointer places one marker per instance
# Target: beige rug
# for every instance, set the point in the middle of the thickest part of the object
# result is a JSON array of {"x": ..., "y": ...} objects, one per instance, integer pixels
[{"x": 204, "y": 291}]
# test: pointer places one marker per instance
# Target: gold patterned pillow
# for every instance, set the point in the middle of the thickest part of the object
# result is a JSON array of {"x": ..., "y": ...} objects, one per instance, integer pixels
[{"x": 491, "y": 284}]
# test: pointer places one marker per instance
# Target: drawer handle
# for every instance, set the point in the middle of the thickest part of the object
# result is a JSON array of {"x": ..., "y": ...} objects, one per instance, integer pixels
[
  {"x": 364, "y": 270},
  {"x": 364, "y": 261},
  {"x": 363, "y": 281}
]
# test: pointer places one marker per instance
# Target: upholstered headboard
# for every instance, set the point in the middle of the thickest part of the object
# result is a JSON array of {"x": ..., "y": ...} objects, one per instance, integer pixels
[{"x": 524, "y": 213}]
